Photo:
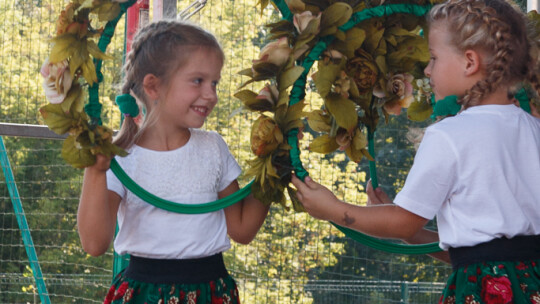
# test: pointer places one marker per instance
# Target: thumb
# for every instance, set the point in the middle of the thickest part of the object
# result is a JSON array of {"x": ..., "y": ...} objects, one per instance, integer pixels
[{"x": 310, "y": 183}]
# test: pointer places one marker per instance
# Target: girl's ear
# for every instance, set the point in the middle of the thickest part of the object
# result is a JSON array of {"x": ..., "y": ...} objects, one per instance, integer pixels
[
  {"x": 151, "y": 85},
  {"x": 472, "y": 62}
]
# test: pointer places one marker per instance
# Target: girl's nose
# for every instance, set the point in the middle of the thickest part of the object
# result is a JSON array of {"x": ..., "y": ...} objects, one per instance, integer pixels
[
  {"x": 427, "y": 70},
  {"x": 210, "y": 93}
]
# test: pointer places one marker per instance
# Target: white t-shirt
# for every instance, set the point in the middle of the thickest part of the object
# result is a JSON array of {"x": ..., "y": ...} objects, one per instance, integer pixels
[
  {"x": 191, "y": 174},
  {"x": 479, "y": 173}
]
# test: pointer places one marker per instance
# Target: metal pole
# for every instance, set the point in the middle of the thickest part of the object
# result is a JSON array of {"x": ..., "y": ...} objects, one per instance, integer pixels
[
  {"x": 532, "y": 5},
  {"x": 23, "y": 224}
]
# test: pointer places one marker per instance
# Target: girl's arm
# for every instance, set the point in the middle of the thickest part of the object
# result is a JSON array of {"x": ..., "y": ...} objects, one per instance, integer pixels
[
  {"x": 244, "y": 218},
  {"x": 424, "y": 236},
  {"x": 384, "y": 221},
  {"x": 96, "y": 216}
]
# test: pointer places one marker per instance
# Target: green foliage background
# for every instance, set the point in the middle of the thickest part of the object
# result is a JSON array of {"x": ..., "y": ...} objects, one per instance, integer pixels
[{"x": 294, "y": 259}]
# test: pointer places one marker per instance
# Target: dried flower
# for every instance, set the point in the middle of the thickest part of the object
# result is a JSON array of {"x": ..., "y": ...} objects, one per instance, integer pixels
[
  {"x": 363, "y": 71},
  {"x": 301, "y": 21},
  {"x": 57, "y": 80},
  {"x": 269, "y": 93},
  {"x": 265, "y": 136},
  {"x": 276, "y": 52}
]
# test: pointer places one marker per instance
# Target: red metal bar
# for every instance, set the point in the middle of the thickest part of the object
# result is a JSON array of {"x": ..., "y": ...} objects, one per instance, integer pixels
[{"x": 137, "y": 15}]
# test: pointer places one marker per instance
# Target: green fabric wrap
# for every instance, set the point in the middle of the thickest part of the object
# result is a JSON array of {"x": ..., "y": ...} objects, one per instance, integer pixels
[
  {"x": 387, "y": 246},
  {"x": 523, "y": 99},
  {"x": 128, "y": 105},
  {"x": 93, "y": 107},
  {"x": 158, "y": 202},
  {"x": 446, "y": 106}
]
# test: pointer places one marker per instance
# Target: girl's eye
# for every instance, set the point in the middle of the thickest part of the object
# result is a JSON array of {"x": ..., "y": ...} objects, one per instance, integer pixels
[
  {"x": 198, "y": 80},
  {"x": 215, "y": 83}
]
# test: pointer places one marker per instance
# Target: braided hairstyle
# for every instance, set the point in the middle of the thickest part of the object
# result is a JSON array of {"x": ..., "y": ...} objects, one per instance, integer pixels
[
  {"x": 159, "y": 48},
  {"x": 499, "y": 31}
]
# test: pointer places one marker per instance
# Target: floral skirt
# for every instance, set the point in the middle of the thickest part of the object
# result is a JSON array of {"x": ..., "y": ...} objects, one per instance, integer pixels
[
  {"x": 501, "y": 281},
  {"x": 176, "y": 283}
]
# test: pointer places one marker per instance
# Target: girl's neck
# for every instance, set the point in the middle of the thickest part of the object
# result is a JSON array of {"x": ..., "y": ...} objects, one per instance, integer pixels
[
  {"x": 154, "y": 139},
  {"x": 499, "y": 97}
]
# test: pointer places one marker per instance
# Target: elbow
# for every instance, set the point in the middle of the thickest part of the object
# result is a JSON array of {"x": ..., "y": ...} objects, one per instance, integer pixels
[
  {"x": 243, "y": 239},
  {"x": 94, "y": 249}
]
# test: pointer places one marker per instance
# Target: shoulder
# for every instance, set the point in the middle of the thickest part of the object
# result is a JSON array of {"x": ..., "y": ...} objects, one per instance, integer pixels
[{"x": 206, "y": 135}]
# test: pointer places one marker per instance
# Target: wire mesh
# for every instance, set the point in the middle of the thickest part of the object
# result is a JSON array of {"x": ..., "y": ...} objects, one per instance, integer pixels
[{"x": 294, "y": 259}]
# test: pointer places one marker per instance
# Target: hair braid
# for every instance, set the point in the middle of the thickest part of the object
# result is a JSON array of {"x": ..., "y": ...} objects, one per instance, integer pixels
[{"x": 497, "y": 30}]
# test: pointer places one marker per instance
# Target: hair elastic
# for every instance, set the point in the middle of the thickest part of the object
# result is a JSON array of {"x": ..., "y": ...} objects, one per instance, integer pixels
[{"x": 128, "y": 105}]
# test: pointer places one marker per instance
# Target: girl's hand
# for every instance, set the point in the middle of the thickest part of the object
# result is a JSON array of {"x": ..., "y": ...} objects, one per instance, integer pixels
[
  {"x": 318, "y": 201},
  {"x": 376, "y": 196},
  {"x": 102, "y": 163}
]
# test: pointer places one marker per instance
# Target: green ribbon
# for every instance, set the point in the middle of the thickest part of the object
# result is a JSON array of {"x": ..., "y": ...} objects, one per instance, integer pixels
[
  {"x": 523, "y": 99},
  {"x": 445, "y": 107},
  {"x": 158, "y": 202},
  {"x": 128, "y": 105}
]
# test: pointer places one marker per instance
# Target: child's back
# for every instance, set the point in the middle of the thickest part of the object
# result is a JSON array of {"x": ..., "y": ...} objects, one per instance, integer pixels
[{"x": 479, "y": 173}]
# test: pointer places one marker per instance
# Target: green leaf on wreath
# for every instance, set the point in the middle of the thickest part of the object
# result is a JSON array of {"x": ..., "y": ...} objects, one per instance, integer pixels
[
  {"x": 56, "y": 119},
  {"x": 94, "y": 50},
  {"x": 335, "y": 15},
  {"x": 265, "y": 69},
  {"x": 326, "y": 76},
  {"x": 343, "y": 110},
  {"x": 419, "y": 110},
  {"x": 296, "y": 204},
  {"x": 289, "y": 76},
  {"x": 246, "y": 72},
  {"x": 319, "y": 121},
  {"x": 74, "y": 99},
  {"x": 354, "y": 38},
  {"x": 250, "y": 101},
  {"x": 89, "y": 71},
  {"x": 63, "y": 47},
  {"x": 75, "y": 155},
  {"x": 107, "y": 11},
  {"x": 324, "y": 144}
]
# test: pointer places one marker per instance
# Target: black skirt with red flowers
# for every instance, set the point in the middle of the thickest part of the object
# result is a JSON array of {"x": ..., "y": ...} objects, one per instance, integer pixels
[
  {"x": 191, "y": 281},
  {"x": 503, "y": 271}
]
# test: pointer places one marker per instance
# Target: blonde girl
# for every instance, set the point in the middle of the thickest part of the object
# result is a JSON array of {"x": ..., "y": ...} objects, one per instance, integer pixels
[
  {"x": 477, "y": 172},
  {"x": 172, "y": 71}
]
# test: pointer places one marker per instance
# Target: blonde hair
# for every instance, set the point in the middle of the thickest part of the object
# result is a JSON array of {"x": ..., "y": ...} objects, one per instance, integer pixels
[
  {"x": 499, "y": 31},
  {"x": 160, "y": 48}
]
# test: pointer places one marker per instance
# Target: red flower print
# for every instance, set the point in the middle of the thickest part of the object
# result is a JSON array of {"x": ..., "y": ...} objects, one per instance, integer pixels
[
  {"x": 452, "y": 287},
  {"x": 213, "y": 286},
  {"x": 472, "y": 279},
  {"x": 110, "y": 294},
  {"x": 496, "y": 290},
  {"x": 121, "y": 291},
  {"x": 521, "y": 266},
  {"x": 501, "y": 266},
  {"x": 182, "y": 295},
  {"x": 216, "y": 300},
  {"x": 535, "y": 298},
  {"x": 440, "y": 300}
]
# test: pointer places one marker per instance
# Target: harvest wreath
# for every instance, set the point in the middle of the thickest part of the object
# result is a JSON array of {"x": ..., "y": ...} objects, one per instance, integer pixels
[{"x": 369, "y": 57}]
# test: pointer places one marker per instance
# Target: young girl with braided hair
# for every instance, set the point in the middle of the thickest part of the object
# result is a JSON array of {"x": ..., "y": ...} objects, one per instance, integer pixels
[
  {"x": 172, "y": 71},
  {"x": 478, "y": 171}
]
